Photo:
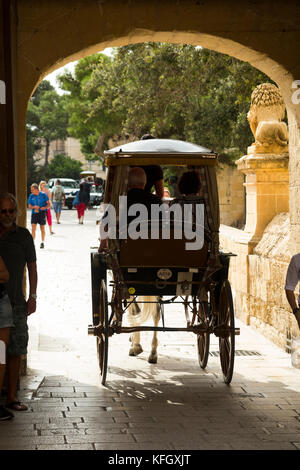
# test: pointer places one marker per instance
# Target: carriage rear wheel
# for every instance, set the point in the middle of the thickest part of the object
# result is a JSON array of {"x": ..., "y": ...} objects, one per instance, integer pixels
[
  {"x": 203, "y": 340},
  {"x": 102, "y": 339},
  {"x": 227, "y": 340}
]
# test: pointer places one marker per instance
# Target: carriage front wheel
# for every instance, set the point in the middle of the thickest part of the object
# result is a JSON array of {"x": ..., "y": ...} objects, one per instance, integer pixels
[
  {"x": 102, "y": 339},
  {"x": 227, "y": 338}
]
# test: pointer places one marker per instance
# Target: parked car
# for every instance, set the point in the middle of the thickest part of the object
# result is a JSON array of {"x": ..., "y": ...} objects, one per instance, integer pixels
[
  {"x": 70, "y": 187},
  {"x": 96, "y": 195}
]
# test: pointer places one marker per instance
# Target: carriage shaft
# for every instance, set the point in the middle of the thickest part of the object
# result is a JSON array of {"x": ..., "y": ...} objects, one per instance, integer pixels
[
  {"x": 132, "y": 329},
  {"x": 197, "y": 329}
]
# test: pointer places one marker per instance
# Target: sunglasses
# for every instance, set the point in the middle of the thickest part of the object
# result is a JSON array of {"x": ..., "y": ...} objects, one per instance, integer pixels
[{"x": 7, "y": 211}]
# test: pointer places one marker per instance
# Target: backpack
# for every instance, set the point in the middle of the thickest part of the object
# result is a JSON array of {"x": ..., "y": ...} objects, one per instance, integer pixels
[{"x": 58, "y": 194}]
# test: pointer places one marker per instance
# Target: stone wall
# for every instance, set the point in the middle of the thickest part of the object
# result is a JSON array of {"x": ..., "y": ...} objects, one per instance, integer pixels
[
  {"x": 231, "y": 196},
  {"x": 258, "y": 279}
]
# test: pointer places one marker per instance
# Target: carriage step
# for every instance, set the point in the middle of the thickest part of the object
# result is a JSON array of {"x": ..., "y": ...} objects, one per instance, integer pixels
[{"x": 91, "y": 330}]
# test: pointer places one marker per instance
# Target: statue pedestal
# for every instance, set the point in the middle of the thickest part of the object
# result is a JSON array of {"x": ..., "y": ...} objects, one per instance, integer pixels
[{"x": 267, "y": 190}]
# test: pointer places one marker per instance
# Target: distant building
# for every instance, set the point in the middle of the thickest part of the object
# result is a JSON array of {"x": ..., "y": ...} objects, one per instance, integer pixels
[{"x": 71, "y": 148}]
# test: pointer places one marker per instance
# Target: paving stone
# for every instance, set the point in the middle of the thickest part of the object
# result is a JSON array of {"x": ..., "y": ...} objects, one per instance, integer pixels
[
  {"x": 99, "y": 437},
  {"x": 18, "y": 446},
  {"x": 66, "y": 447},
  {"x": 94, "y": 414},
  {"x": 32, "y": 440},
  {"x": 62, "y": 432},
  {"x": 67, "y": 394},
  {"x": 59, "y": 420},
  {"x": 61, "y": 425},
  {"x": 104, "y": 426},
  {"x": 18, "y": 433},
  {"x": 287, "y": 437},
  {"x": 98, "y": 419},
  {"x": 134, "y": 446}
]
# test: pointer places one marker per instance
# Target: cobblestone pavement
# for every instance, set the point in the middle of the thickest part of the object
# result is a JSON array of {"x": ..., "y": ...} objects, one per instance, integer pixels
[{"x": 171, "y": 405}]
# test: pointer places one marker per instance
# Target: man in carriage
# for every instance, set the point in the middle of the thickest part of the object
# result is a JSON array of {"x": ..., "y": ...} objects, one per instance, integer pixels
[{"x": 136, "y": 195}]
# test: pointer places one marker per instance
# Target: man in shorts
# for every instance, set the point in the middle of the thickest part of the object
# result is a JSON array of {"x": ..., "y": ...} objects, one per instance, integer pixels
[
  {"x": 39, "y": 203},
  {"x": 58, "y": 199},
  {"x": 18, "y": 251}
]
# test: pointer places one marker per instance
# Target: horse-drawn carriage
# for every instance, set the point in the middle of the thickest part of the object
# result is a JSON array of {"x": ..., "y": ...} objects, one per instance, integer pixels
[{"x": 150, "y": 273}]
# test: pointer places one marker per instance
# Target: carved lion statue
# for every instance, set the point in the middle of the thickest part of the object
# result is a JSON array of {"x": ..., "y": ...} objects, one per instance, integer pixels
[{"x": 265, "y": 117}]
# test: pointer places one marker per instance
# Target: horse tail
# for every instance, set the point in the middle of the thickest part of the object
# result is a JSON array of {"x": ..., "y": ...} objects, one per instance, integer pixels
[{"x": 145, "y": 309}]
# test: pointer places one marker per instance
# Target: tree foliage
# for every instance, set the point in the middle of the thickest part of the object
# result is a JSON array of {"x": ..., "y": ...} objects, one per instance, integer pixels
[
  {"x": 173, "y": 91},
  {"x": 47, "y": 117},
  {"x": 87, "y": 120},
  {"x": 63, "y": 166}
]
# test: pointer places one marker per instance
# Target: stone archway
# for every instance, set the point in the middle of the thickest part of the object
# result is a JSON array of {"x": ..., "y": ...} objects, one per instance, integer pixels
[{"x": 46, "y": 35}]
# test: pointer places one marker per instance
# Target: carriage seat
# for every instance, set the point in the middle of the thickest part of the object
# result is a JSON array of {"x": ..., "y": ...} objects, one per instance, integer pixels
[{"x": 161, "y": 252}]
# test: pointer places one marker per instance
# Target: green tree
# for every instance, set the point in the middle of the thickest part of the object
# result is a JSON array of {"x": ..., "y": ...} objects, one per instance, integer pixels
[
  {"x": 63, "y": 166},
  {"x": 173, "y": 91},
  {"x": 47, "y": 116},
  {"x": 87, "y": 119},
  {"x": 32, "y": 145}
]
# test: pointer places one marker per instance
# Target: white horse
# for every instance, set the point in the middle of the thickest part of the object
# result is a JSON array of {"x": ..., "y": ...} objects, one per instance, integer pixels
[{"x": 138, "y": 314}]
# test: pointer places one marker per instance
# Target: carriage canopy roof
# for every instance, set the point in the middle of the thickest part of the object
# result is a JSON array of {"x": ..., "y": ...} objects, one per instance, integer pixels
[{"x": 160, "y": 151}]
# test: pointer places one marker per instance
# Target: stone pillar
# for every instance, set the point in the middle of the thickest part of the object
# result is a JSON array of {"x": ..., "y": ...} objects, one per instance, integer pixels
[
  {"x": 7, "y": 95},
  {"x": 267, "y": 190}
]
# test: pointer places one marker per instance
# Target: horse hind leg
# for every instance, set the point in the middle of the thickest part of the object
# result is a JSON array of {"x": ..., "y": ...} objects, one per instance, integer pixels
[
  {"x": 152, "y": 359},
  {"x": 136, "y": 347},
  {"x": 133, "y": 315}
]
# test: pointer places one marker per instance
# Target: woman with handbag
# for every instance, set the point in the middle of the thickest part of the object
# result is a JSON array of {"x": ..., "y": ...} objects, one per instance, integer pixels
[
  {"x": 81, "y": 202},
  {"x": 6, "y": 321}
]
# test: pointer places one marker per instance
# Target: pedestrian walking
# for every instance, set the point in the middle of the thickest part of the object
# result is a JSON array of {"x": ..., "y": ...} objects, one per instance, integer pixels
[
  {"x": 38, "y": 202},
  {"x": 44, "y": 189},
  {"x": 6, "y": 321},
  {"x": 18, "y": 251},
  {"x": 292, "y": 279},
  {"x": 80, "y": 202},
  {"x": 58, "y": 198}
]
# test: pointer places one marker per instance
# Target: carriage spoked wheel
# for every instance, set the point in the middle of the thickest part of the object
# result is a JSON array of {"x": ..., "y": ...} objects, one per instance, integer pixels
[
  {"x": 227, "y": 338},
  {"x": 102, "y": 339},
  {"x": 203, "y": 340}
]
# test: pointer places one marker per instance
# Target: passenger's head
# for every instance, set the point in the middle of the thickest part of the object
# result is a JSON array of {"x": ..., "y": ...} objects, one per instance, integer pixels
[
  {"x": 42, "y": 185},
  {"x": 8, "y": 209},
  {"x": 167, "y": 192},
  {"x": 147, "y": 137},
  {"x": 189, "y": 183},
  {"x": 137, "y": 178}
]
